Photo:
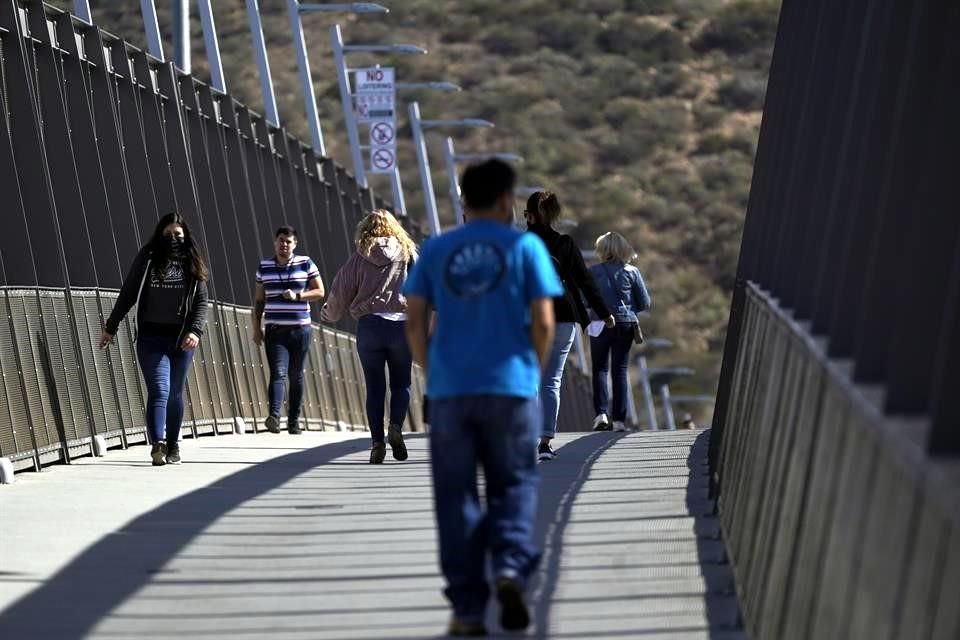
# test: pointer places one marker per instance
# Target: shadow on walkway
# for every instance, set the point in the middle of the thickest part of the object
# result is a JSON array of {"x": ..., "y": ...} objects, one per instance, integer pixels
[{"x": 110, "y": 571}]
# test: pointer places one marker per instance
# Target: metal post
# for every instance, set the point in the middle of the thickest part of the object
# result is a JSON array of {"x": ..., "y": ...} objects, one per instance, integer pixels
[
  {"x": 647, "y": 392},
  {"x": 212, "y": 44},
  {"x": 346, "y": 100},
  {"x": 306, "y": 80},
  {"x": 454, "y": 185},
  {"x": 667, "y": 407},
  {"x": 81, "y": 9},
  {"x": 426, "y": 181},
  {"x": 399, "y": 203},
  {"x": 632, "y": 416},
  {"x": 260, "y": 53},
  {"x": 152, "y": 29},
  {"x": 578, "y": 346},
  {"x": 181, "y": 35}
]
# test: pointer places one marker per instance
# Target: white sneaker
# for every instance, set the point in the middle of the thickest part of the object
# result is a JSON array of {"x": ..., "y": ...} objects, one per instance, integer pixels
[
  {"x": 601, "y": 423},
  {"x": 619, "y": 426}
]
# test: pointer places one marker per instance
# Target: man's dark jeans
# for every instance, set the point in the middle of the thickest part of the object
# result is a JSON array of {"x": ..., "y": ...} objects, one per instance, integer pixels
[
  {"x": 287, "y": 349},
  {"x": 383, "y": 343},
  {"x": 164, "y": 366},
  {"x": 500, "y": 433},
  {"x": 612, "y": 344}
]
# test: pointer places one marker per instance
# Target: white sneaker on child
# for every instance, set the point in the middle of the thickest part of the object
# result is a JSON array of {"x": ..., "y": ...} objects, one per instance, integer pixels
[
  {"x": 619, "y": 426},
  {"x": 601, "y": 423}
]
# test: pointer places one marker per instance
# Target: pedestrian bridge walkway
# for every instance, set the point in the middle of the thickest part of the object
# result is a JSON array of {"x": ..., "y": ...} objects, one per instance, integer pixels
[{"x": 288, "y": 537}]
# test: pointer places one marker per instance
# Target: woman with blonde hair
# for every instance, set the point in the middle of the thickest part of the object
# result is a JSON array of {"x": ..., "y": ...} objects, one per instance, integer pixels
[
  {"x": 368, "y": 287},
  {"x": 622, "y": 288}
]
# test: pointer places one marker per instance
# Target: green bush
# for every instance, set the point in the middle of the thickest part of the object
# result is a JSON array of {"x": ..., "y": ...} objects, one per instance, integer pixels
[
  {"x": 743, "y": 92},
  {"x": 510, "y": 40},
  {"x": 742, "y": 141},
  {"x": 643, "y": 41},
  {"x": 740, "y": 27}
]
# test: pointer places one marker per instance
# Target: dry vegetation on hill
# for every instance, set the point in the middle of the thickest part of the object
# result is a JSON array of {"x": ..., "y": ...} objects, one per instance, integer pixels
[{"x": 642, "y": 114}]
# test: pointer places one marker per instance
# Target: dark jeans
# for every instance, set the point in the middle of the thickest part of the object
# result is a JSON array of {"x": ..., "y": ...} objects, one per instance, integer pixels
[
  {"x": 612, "y": 344},
  {"x": 287, "y": 349},
  {"x": 383, "y": 343},
  {"x": 500, "y": 433},
  {"x": 164, "y": 366}
]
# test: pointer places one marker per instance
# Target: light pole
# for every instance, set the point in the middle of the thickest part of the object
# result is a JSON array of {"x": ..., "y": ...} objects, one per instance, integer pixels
[
  {"x": 451, "y": 158},
  {"x": 349, "y": 113},
  {"x": 650, "y": 347},
  {"x": 295, "y": 9},
  {"x": 418, "y": 126}
]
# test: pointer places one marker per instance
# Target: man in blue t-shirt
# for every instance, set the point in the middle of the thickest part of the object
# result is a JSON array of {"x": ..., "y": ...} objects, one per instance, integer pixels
[{"x": 492, "y": 288}]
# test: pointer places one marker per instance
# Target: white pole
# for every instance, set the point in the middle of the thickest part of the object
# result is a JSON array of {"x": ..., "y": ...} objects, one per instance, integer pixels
[
  {"x": 181, "y": 35},
  {"x": 81, "y": 9},
  {"x": 346, "y": 100},
  {"x": 217, "y": 79},
  {"x": 631, "y": 403},
  {"x": 152, "y": 29},
  {"x": 667, "y": 407},
  {"x": 399, "y": 204},
  {"x": 306, "y": 81},
  {"x": 578, "y": 346},
  {"x": 454, "y": 185},
  {"x": 426, "y": 181},
  {"x": 647, "y": 392},
  {"x": 260, "y": 53}
]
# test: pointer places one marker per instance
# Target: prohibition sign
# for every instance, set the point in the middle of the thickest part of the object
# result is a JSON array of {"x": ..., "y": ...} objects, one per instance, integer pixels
[
  {"x": 382, "y": 134},
  {"x": 382, "y": 159}
]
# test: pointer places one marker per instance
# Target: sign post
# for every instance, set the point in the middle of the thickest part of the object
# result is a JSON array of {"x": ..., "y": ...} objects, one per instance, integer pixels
[{"x": 375, "y": 93}]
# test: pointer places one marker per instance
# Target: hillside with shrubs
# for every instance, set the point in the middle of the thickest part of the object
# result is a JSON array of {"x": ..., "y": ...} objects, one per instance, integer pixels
[{"x": 642, "y": 115}]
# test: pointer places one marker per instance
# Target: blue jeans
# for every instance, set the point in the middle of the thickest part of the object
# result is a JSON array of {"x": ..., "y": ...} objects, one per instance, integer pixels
[
  {"x": 612, "y": 344},
  {"x": 164, "y": 366},
  {"x": 500, "y": 433},
  {"x": 553, "y": 376},
  {"x": 287, "y": 349},
  {"x": 383, "y": 343}
]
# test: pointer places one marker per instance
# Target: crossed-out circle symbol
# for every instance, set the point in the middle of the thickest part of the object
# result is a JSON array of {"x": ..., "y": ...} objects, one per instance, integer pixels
[
  {"x": 382, "y": 133},
  {"x": 382, "y": 158}
]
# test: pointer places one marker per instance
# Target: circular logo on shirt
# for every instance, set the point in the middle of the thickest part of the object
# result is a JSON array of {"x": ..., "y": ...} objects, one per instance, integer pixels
[{"x": 474, "y": 268}]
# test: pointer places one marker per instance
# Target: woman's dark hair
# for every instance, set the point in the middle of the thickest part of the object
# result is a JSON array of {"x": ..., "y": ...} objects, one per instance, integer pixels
[
  {"x": 198, "y": 266},
  {"x": 545, "y": 207}
]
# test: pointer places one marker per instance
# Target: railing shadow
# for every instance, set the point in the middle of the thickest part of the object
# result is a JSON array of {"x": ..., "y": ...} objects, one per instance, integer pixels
[{"x": 114, "y": 568}]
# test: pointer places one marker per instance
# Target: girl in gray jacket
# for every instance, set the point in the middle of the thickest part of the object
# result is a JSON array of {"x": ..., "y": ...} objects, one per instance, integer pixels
[{"x": 368, "y": 286}]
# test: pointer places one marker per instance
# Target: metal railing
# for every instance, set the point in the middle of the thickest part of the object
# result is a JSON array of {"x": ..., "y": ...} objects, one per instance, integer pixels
[{"x": 836, "y": 434}]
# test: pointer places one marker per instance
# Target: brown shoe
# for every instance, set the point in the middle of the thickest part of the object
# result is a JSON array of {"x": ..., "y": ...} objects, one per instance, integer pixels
[
  {"x": 395, "y": 438},
  {"x": 378, "y": 452},
  {"x": 466, "y": 629}
]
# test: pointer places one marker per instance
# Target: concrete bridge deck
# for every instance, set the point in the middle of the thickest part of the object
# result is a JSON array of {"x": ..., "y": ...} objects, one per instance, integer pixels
[{"x": 297, "y": 537}]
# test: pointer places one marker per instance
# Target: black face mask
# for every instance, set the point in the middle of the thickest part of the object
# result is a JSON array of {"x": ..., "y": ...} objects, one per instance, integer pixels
[{"x": 173, "y": 245}]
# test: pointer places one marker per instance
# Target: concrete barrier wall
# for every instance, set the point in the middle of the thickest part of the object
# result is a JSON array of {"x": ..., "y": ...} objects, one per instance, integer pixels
[{"x": 838, "y": 522}]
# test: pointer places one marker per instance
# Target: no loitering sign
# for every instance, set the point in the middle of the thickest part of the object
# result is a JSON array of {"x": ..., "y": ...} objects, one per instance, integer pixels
[{"x": 375, "y": 100}]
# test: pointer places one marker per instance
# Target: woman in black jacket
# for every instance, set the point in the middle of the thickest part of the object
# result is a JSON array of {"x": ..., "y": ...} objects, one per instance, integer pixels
[
  {"x": 168, "y": 283},
  {"x": 543, "y": 209}
]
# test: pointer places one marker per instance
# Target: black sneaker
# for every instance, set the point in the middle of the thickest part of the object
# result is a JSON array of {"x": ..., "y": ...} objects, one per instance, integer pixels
[
  {"x": 466, "y": 629},
  {"x": 514, "y": 615},
  {"x": 293, "y": 428},
  {"x": 378, "y": 452},
  {"x": 545, "y": 452},
  {"x": 395, "y": 438},
  {"x": 273, "y": 424},
  {"x": 159, "y": 454},
  {"x": 173, "y": 453}
]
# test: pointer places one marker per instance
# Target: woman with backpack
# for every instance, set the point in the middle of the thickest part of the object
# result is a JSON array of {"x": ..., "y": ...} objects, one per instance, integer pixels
[
  {"x": 368, "y": 287},
  {"x": 168, "y": 284},
  {"x": 624, "y": 291},
  {"x": 543, "y": 210}
]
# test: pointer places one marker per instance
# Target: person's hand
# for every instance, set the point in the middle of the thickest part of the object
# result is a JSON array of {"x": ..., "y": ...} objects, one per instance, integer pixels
[
  {"x": 106, "y": 338},
  {"x": 289, "y": 295},
  {"x": 610, "y": 322},
  {"x": 257, "y": 336},
  {"x": 190, "y": 342}
]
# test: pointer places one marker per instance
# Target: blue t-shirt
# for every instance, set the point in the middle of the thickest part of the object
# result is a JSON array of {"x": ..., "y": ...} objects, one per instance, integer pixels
[{"x": 481, "y": 279}]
